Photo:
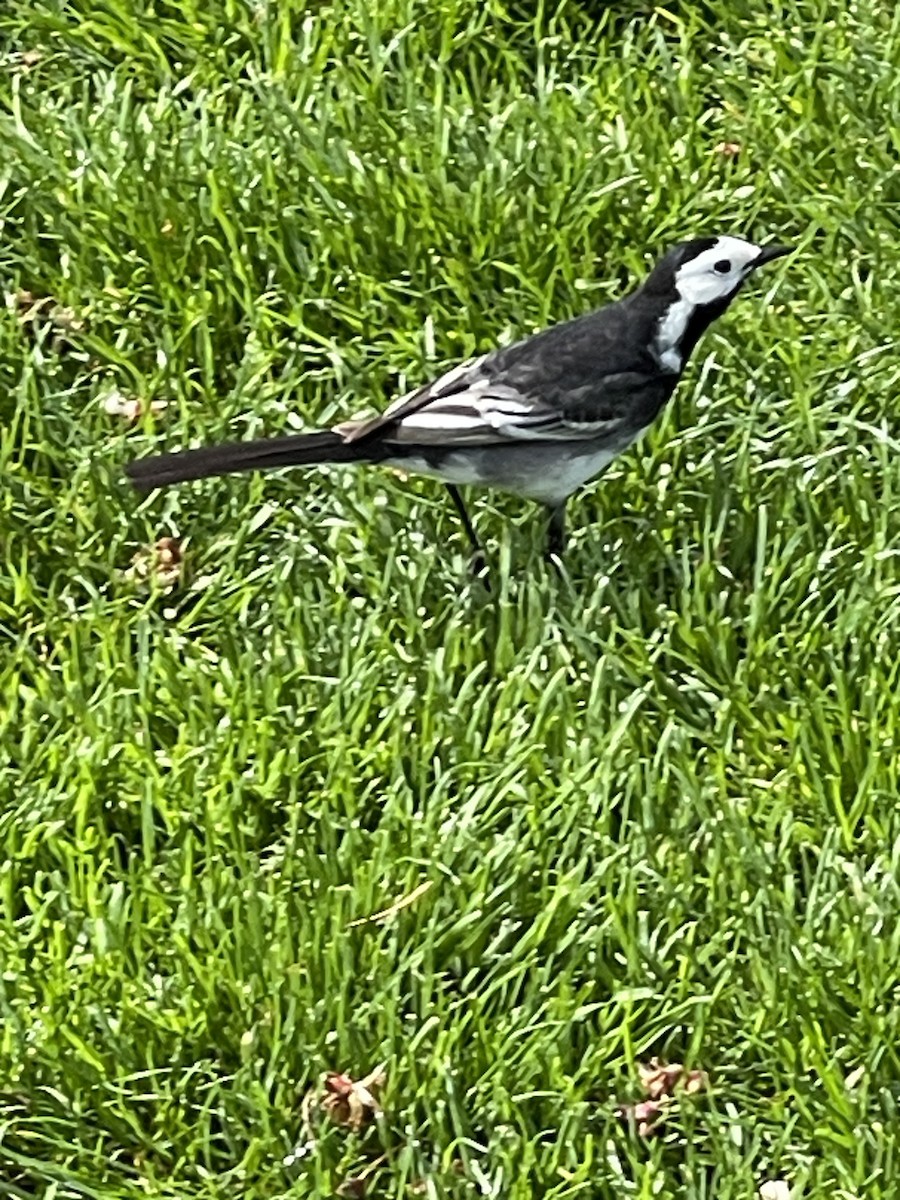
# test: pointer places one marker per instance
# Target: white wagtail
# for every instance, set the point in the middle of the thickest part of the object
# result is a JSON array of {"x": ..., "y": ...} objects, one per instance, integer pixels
[{"x": 538, "y": 418}]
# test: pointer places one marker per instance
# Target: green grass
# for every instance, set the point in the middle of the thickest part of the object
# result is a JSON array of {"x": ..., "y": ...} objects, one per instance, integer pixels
[{"x": 655, "y": 798}]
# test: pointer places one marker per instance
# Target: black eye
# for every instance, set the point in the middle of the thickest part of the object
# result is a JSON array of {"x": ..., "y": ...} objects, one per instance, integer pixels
[{"x": 723, "y": 266}]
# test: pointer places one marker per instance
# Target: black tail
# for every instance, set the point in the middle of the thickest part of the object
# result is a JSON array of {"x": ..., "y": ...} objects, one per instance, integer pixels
[{"x": 305, "y": 449}]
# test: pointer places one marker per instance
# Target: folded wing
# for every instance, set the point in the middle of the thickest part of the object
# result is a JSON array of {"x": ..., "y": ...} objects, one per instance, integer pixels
[{"x": 470, "y": 406}]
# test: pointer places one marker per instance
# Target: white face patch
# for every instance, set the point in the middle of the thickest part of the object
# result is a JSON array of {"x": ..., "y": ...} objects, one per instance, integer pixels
[
  {"x": 713, "y": 275},
  {"x": 717, "y": 272}
]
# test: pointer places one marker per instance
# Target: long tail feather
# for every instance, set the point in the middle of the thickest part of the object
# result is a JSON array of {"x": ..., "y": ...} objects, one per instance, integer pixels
[{"x": 305, "y": 449}]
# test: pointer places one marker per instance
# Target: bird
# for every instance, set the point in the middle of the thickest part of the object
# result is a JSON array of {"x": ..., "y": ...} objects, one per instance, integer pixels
[{"x": 538, "y": 418}]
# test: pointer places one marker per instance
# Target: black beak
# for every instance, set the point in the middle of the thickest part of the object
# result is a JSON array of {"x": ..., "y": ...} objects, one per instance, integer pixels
[{"x": 768, "y": 253}]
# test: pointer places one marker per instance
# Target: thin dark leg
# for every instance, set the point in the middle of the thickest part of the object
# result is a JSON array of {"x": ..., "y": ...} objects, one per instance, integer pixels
[
  {"x": 556, "y": 531},
  {"x": 463, "y": 515},
  {"x": 478, "y": 562}
]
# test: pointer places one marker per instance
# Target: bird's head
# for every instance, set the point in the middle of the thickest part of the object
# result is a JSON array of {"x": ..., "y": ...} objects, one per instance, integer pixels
[{"x": 709, "y": 271}]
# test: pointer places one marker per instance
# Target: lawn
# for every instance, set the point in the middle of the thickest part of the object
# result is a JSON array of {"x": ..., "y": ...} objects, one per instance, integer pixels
[{"x": 294, "y": 795}]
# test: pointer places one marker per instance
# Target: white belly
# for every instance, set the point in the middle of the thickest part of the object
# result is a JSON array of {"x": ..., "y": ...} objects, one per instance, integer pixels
[
  {"x": 566, "y": 476},
  {"x": 540, "y": 471}
]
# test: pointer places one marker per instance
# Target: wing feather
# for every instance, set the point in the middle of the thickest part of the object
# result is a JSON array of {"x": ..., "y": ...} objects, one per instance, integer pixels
[{"x": 470, "y": 406}]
